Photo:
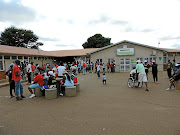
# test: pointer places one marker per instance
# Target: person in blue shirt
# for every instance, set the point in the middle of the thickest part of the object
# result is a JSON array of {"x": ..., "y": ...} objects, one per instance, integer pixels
[{"x": 104, "y": 78}]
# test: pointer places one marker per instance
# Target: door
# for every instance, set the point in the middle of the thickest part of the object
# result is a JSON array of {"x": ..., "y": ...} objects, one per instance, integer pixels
[{"x": 125, "y": 65}]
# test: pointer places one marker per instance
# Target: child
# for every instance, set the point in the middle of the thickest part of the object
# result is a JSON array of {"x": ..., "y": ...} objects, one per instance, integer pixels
[
  {"x": 133, "y": 72},
  {"x": 104, "y": 78}
]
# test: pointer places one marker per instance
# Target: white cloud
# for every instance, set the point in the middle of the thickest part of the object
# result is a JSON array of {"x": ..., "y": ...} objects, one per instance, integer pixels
[{"x": 72, "y": 22}]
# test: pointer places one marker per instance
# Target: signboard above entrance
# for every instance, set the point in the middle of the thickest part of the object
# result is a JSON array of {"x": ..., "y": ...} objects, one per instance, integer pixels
[{"x": 125, "y": 51}]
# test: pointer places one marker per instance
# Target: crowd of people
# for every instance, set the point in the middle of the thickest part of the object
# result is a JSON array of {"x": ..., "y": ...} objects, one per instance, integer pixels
[{"x": 45, "y": 76}]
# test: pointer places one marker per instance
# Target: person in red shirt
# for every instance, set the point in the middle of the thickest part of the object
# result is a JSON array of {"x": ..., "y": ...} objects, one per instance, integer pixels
[
  {"x": 43, "y": 67},
  {"x": 33, "y": 68},
  {"x": 84, "y": 68},
  {"x": 38, "y": 82},
  {"x": 16, "y": 76}
]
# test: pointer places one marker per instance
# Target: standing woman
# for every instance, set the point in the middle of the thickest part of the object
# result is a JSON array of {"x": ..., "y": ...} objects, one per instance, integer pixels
[
  {"x": 154, "y": 71},
  {"x": 11, "y": 82},
  {"x": 146, "y": 67}
]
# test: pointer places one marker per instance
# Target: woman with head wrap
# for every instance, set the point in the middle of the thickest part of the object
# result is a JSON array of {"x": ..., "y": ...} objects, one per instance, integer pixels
[{"x": 11, "y": 82}]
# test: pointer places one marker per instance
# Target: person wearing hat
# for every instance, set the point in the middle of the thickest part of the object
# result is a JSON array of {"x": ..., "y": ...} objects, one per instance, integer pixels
[
  {"x": 52, "y": 79},
  {"x": 16, "y": 76},
  {"x": 38, "y": 82},
  {"x": 176, "y": 77},
  {"x": 68, "y": 82},
  {"x": 142, "y": 75},
  {"x": 11, "y": 82},
  {"x": 154, "y": 71},
  {"x": 146, "y": 67}
]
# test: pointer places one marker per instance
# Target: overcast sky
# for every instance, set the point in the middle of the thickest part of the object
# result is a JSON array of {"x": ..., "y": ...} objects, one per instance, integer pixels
[{"x": 66, "y": 24}]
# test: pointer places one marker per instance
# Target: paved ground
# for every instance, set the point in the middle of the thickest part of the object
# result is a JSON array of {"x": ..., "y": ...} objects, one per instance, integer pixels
[{"x": 112, "y": 109}]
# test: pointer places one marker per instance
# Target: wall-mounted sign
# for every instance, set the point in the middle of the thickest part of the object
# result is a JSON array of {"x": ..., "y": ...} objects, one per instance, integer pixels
[
  {"x": 125, "y": 51},
  {"x": 133, "y": 61}
]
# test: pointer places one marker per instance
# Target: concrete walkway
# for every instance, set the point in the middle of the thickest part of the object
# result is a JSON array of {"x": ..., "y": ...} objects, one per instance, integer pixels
[{"x": 112, "y": 109}]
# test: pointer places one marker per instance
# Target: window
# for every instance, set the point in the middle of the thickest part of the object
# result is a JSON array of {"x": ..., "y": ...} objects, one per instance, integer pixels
[
  {"x": 99, "y": 61},
  {"x": 35, "y": 58},
  {"x": 7, "y": 57},
  {"x": 164, "y": 59},
  {"x": 151, "y": 59},
  {"x": 20, "y": 57},
  {"x": 110, "y": 60},
  {"x": 141, "y": 59},
  {"x": 14, "y": 57},
  {"x": 25, "y": 57},
  {"x": 39, "y": 58},
  {"x": 1, "y": 63}
]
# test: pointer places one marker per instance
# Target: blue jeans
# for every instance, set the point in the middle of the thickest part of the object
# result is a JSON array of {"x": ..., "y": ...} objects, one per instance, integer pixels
[
  {"x": 98, "y": 73},
  {"x": 18, "y": 85},
  {"x": 84, "y": 70}
]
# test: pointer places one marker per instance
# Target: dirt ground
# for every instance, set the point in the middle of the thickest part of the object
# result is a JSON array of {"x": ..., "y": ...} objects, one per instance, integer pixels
[{"x": 111, "y": 109}]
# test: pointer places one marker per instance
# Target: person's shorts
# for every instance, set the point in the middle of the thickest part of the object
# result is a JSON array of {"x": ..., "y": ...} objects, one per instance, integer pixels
[
  {"x": 33, "y": 86},
  {"x": 142, "y": 77}
]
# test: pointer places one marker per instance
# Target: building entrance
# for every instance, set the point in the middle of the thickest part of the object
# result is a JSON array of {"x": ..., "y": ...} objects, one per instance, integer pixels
[{"x": 125, "y": 65}]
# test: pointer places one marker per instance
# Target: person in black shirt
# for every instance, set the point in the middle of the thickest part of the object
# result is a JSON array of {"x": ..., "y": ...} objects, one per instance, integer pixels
[
  {"x": 11, "y": 82},
  {"x": 52, "y": 79},
  {"x": 154, "y": 71},
  {"x": 169, "y": 68},
  {"x": 146, "y": 67}
]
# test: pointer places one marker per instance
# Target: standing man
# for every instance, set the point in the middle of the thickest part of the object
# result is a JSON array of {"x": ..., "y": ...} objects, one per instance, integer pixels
[
  {"x": 146, "y": 67},
  {"x": 142, "y": 75},
  {"x": 155, "y": 71},
  {"x": 29, "y": 70},
  {"x": 169, "y": 68},
  {"x": 84, "y": 68},
  {"x": 16, "y": 76},
  {"x": 98, "y": 69},
  {"x": 61, "y": 69}
]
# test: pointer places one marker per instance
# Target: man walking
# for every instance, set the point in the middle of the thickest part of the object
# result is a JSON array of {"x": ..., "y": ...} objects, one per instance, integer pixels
[
  {"x": 142, "y": 75},
  {"x": 16, "y": 76}
]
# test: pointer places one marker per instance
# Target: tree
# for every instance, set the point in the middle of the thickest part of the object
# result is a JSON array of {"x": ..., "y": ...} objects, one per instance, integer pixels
[
  {"x": 97, "y": 41},
  {"x": 20, "y": 38}
]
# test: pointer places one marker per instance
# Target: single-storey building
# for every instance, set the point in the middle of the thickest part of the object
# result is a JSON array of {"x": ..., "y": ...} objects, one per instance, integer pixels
[
  {"x": 126, "y": 53},
  {"x": 9, "y": 54}
]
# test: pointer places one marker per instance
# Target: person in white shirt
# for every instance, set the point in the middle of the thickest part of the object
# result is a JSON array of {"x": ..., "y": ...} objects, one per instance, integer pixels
[
  {"x": 104, "y": 78},
  {"x": 29, "y": 70},
  {"x": 61, "y": 69},
  {"x": 103, "y": 67},
  {"x": 98, "y": 70}
]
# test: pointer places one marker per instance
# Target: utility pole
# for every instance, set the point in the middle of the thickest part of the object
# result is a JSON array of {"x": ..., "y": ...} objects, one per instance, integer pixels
[{"x": 158, "y": 44}]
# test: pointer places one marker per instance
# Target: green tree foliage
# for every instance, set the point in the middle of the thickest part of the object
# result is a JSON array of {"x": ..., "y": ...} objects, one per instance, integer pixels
[
  {"x": 97, "y": 41},
  {"x": 20, "y": 38}
]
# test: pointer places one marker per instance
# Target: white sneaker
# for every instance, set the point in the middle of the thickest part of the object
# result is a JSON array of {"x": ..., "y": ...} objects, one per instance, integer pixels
[
  {"x": 32, "y": 95},
  {"x": 168, "y": 89},
  {"x": 60, "y": 94}
]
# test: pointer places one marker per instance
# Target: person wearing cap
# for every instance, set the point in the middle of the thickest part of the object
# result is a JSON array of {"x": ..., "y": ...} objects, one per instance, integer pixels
[
  {"x": 38, "y": 82},
  {"x": 142, "y": 75},
  {"x": 154, "y": 71},
  {"x": 16, "y": 76},
  {"x": 11, "y": 82},
  {"x": 146, "y": 67},
  {"x": 52, "y": 79},
  {"x": 133, "y": 71},
  {"x": 68, "y": 82},
  {"x": 176, "y": 77}
]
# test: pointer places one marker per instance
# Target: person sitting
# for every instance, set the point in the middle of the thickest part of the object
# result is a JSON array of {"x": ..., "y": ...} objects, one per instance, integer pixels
[
  {"x": 133, "y": 72},
  {"x": 68, "y": 82},
  {"x": 176, "y": 77},
  {"x": 38, "y": 82},
  {"x": 52, "y": 79}
]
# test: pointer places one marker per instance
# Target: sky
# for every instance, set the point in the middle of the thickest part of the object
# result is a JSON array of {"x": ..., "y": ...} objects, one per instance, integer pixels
[{"x": 67, "y": 24}]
